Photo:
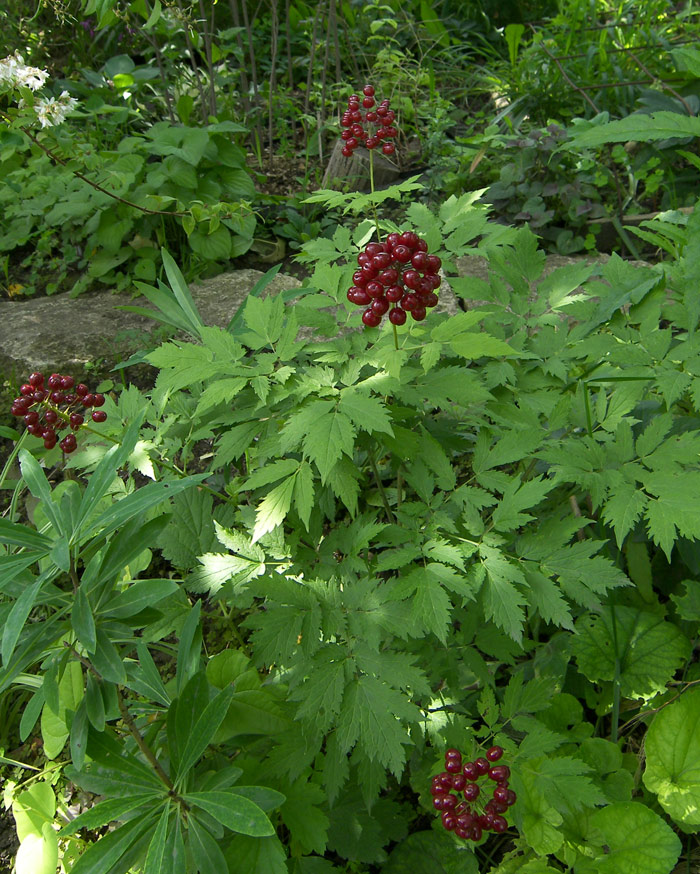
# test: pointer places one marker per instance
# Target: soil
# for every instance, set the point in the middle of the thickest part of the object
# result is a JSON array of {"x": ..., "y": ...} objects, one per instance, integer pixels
[{"x": 8, "y": 841}]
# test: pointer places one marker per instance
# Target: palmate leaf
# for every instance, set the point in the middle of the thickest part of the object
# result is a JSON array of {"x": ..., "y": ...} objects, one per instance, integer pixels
[
  {"x": 303, "y": 816},
  {"x": 650, "y": 649},
  {"x": 374, "y": 715},
  {"x": 233, "y": 811}
]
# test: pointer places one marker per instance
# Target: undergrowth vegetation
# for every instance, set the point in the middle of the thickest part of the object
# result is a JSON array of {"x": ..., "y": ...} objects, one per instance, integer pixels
[{"x": 340, "y": 593}]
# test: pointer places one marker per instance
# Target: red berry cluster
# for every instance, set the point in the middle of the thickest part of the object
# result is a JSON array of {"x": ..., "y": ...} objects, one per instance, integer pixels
[
  {"x": 470, "y": 818},
  {"x": 57, "y": 399},
  {"x": 390, "y": 273},
  {"x": 381, "y": 117}
]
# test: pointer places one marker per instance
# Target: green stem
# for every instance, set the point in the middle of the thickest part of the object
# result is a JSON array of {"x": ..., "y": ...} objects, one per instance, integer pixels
[
  {"x": 380, "y": 485},
  {"x": 396, "y": 337},
  {"x": 371, "y": 188}
]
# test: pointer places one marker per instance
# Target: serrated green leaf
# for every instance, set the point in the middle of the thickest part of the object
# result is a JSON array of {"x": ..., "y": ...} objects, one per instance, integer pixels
[
  {"x": 481, "y": 345},
  {"x": 303, "y": 816},
  {"x": 273, "y": 508},
  {"x": 331, "y": 436},
  {"x": 366, "y": 412},
  {"x": 650, "y": 649}
]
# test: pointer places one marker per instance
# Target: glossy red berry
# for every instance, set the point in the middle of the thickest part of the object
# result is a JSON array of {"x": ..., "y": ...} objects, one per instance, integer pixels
[
  {"x": 388, "y": 148},
  {"x": 500, "y": 794},
  {"x": 499, "y": 824},
  {"x": 381, "y": 306},
  {"x": 54, "y": 381},
  {"x": 371, "y": 319},
  {"x": 81, "y": 390},
  {"x": 499, "y": 772},
  {"x": 449, "y": 820},
  {"x": 36, "y": 379},
  {"x": 27, "y": 390},
  {"x": 368, "y": 91},
  {"x": 418, "y": 313},
  {"x": 471, "y": 792},
  {"x": 454, "y": 766},
  {"x": 482, "y": 765},
  {"x": 398, "y": 317},
  {"x": 76, "y": 420},
  {"x": 51, "y": 416},
  {"x": 98, "y": 416}
]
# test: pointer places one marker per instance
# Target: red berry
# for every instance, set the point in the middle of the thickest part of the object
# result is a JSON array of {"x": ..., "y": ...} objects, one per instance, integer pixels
[
  {"x": 512, "y": 798},
  {"x": 69, "y": 443},
  {"x": 438, "y": 801},
  {"x": 476, "y": 832},
  {"x": 382, "y": 260},
  {"x": 397, "y": 317},
  {"x": 463, "y": 833},
  {"x": 380, "y": 306},
  {"x": 419, "y": 260},
  {"x": 356, "y": 115},
  {"x": 410, "y": 239},
  {"x": 421, "y": 245},
  {"x": 454, "y": 766},
  {"x": 372, "y": 143},
  {"x": 389, "y": 277},
  {"x": 36, "y": 430},
  {"x": 88, "y": 399},
  {"x": 434, "y": 280},
  {"x": 418, "y": 313},
  {"x": 382, "y": 110},
  {"x": 370, "y": 318},
  {"x": 374, "y": 288},
  {"x": 471, "y": 792},
  {"x": 81, "y": 390},
  {"x": 359, "y": 278},
  {"x": 31, "y": 418},
  {"x": 482, "y": 765},
  {"x": 499, "y": 806},
  {"x": 500, "y": 794},
  {"x": 99, "y": 416},
  {"x": 409, "y": 303},
  {"x": 67, "y": 382},
  {"x": 39, "y": 395},
  {"x": 357, "y": 130},
  {"x": 368, "y": 91},
  {"x": 499, "y": 824},
  {"x": 449, "y": 820},
  {"x": 346, "y": 152},
  {"x": 411, "y": 278},
  {"x": 36, "y": 379},
  {"x": 368, "y": 102},
  {"x": 26, "y": 389},
  {"x": 388, "y": 148},
  {"x": 49, "y": 442},
  {"x": 459, "y": 781},
  {"x": 430, "y": 300},
  {"x": 76, "y": 420},
  {"x": 402, "y": 253},
  {"x": 437, "y": 789},
  {"x": 499, "y": 772},
  {"x": 394, "y": 293},
  {"x": 371, "y": 116},
  {"x": 54, "y": 380},
  {"x": 51, "y": 416},
  {"x": 370, "y": 271},
  {"x": 57, "y": 397},
  {"x": 433, "y": 264},
  {"x": 393, "y": 240},
  {"x": 346, "y": 135}
]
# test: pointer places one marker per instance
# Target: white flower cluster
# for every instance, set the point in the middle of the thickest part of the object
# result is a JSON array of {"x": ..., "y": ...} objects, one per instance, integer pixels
[
  {"x": 53, "y": 110},
  {"x": 49, "y": 111},
  {"x": 14, "y": 73}
]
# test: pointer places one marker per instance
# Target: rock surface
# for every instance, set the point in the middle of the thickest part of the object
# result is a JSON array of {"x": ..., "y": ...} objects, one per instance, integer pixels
[{"x": 89, "y": 332}]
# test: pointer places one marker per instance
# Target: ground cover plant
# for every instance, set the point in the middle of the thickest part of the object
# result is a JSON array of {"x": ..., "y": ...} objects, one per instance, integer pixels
[{"x": 390, "y": 589}]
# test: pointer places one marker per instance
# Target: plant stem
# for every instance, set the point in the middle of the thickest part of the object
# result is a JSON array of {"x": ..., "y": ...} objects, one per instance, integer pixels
[
  {"x": 380, "y": 485},
  {"x": 142, "y": 745},
  {"x": 371, "y": 188}
]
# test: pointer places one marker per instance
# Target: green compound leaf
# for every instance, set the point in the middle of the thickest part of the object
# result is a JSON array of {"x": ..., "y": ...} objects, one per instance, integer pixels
[
  {"x": 649, "y": 648},
  {"x": 631, "y": 839},
  {"x": 673, "y": 758}
]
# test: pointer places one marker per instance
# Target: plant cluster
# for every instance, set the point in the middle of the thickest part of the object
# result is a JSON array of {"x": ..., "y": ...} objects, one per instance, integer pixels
[
  {"x": 471, "y": 817},
  {"x": 390, "y": 273},
  {"x": 380, "y": 118},
  {"x": 50, "y": 405}
]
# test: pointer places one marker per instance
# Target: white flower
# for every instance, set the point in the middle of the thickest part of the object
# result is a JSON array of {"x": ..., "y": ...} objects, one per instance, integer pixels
[
  {"x": 14, "y": 73},
  {"x": 51, "y": 111}
]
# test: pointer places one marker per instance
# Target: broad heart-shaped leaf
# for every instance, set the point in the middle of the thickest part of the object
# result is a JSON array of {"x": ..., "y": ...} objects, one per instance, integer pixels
[
  {"x": 38, "y": 854},
  {"x": 33, "y": 808},
  {"x": 430, "y": 852},
  {"x": 631, "y": 839},
  {"x": 672, "y": 747},
  {"x": 233, "y": 811},
  {"x": 649, "y": 648}
]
